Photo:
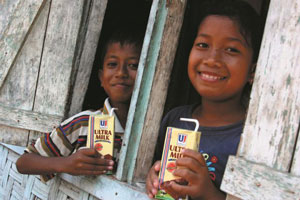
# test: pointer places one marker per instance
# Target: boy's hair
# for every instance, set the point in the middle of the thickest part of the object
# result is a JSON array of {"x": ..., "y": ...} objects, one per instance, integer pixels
[
  {"x": 128, "y": 35},
  {"x": 249, "y": 21}
]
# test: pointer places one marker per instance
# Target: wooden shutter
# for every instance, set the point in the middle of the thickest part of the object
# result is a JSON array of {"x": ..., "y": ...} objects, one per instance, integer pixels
[
  {"x": 42, "y": 43},
  {"x": 267, "y": 165}
]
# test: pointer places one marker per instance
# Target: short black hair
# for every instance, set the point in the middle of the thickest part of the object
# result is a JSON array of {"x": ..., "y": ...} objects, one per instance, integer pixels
[
  {"x": 123, "y": 36},
  {"x": 249, "y": 21}
]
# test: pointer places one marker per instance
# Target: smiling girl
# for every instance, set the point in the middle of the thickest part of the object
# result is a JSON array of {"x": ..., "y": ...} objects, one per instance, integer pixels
[{"x": 220, "y": 67}]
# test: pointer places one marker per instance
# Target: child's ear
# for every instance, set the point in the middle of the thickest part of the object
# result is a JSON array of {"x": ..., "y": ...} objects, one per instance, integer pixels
[
  {"x": 100, "y": 75},
  {"x": 252, "y": 73}
]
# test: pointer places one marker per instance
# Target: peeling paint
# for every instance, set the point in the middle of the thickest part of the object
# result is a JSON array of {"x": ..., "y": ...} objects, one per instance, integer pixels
[
  {"x": 288, "y": 80},
  {"x": 282, "y": 39}
]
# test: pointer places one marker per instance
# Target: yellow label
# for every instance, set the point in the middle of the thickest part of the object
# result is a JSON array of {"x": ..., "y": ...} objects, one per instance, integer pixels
[
  {"x": 175, "y": 141},
  {"x": 101, "y": 134}
]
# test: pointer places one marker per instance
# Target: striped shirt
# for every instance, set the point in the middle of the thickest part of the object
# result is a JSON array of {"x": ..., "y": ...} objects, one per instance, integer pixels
[{"x": 71, "y": 135}]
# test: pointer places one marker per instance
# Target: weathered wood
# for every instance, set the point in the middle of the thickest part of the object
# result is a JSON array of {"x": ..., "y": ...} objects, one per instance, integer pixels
[
  {"x": 143, "y": 82},
  {"x": 58, "y": 56},
  {"x": 163, "y": 69},
  {"x": 105, "y": 187},
  {"x": 272, "y": 124},
  {"x": 28, "y": 120},
  {"x": 16, "y": 28},
  {"x": 295, "y": 169},
  {"x": 274, "y": 111},
  {"x": 248, "y": 180},
  {"x": 85, "y": 60},
  {"x": 19, "y": 92}
]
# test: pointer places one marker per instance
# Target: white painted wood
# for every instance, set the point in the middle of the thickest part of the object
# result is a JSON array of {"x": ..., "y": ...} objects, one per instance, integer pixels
[
  {"x": 58, "y": 56},
  {"x": 28, "y": 120},
  {"x": 15, "y": 28},
  {"x": 19, "y": 92},
  {"x": 295, "y": 169},
  {"x": 274, "y": 112},
  {"x": 248, "y": 180},
  {"x": 106, "y": 187},
  {"x": 85, "y": 61}
]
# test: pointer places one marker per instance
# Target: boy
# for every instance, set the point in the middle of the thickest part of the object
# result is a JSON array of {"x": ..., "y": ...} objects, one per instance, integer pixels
[{"x": 61, "y": 150}]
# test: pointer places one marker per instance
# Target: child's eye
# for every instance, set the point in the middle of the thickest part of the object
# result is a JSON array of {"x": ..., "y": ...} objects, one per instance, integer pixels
[
  {"x": 202, "y": 45},
  {"x": 112, "y": 64},
  {"x": 232, "y": 50},
  {"x": 133, "y": 66}
]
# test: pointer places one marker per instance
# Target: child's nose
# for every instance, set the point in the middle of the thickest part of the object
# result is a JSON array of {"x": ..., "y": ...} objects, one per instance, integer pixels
[
  {"x": 213, "y": 58},
  {"x": 122, "y": 70}
]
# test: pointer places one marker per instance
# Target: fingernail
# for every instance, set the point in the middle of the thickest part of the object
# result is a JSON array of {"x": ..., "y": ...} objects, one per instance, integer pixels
[
  {"x": 111, "y": 162},
  {"x": 110, "y": 167},
  {"x": 104, "y": 172}
]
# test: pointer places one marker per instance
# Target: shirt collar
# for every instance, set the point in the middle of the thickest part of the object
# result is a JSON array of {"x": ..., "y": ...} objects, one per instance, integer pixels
[{"x": 106, "y": 110}]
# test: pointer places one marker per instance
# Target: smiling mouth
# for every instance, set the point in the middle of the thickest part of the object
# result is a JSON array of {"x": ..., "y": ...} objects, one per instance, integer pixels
[{"x": 211, "y": 77}]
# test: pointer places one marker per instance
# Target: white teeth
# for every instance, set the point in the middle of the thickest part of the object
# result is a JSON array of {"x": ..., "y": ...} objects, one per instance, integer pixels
[{"x": 211, "y": 77}]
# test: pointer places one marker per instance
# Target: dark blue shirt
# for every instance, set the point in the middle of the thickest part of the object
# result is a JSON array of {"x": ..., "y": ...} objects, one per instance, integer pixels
[{"x": 216, "y": 143}]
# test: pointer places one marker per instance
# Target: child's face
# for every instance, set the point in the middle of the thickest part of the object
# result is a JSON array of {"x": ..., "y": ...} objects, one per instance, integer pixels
[
  {"x": 119, "y": 70},
  {"x": 220, "y": 61}
]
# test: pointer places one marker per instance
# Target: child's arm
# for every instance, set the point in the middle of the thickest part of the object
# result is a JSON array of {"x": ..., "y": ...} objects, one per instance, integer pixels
[
  {"x": 152, "y": 180},
  {"x": 83, "y": 162},
  {"x": 195, "y": 172}
]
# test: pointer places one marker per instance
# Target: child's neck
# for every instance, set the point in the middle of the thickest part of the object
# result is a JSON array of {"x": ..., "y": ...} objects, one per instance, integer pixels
[
  {"x": 121, "y": 112},
  {"x": 211, "y": 113}
]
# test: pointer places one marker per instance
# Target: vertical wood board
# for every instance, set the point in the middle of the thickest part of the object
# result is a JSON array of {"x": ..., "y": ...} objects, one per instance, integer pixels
[
  {"x": 273, "y": 118},
  {"x": 142, "y": 87},
  {"x": 93, "y": 28},
  {"x": 16, "y": 28},
  {"x": 58, "y": 56},
  {"x": 18, "y": 91},
  {"x": 159, "y": 88}
]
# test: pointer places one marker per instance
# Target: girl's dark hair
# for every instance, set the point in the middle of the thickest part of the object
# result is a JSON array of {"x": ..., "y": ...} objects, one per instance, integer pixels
[{"x": 250, "y": 23}]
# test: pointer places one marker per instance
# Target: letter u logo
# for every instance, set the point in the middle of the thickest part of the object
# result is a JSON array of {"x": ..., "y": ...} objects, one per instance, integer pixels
[
  {"x": 182, "y": 138},
  {"x": 103, "y": 123}
]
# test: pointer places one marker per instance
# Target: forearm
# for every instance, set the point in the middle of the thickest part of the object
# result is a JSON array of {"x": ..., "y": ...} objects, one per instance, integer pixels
[{"x": 30, "y": 163}]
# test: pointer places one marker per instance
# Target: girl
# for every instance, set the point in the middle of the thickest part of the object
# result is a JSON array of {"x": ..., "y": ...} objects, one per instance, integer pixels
[{"x": 221, "y": 68}]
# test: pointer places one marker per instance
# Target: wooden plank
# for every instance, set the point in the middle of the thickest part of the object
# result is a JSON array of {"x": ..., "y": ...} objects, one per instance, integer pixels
[
  {"x": 274, "y": 112},
  {"x": 143, "y": 82},
  {"x": 105, "y": 187},
  {"x": 295, "y": 169},
  {"x": 28, "y": 120},
  {"x": 248, "y": 180},
  {"x": 16, "y": 29},
  {"x": 58, "y": 56},
  {"x": 19, "y": 92},
  {"x": 85, "y": 60},
  {"x": 159, "y": 89}
]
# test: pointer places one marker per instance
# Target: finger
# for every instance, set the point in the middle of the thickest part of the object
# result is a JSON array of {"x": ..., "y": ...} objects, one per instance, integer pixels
[
  {"x": 157, "y": 166},
  {"x": 90, "y": 152},
  {"x": 180, "y": 191},
  {"x": 91, "y": 167},
  {"x": 193, "y": 154},
  {"x": 168, "y": 189},
  {"x": 185, "y": 174},
  {"x": 190, "y": 163}
]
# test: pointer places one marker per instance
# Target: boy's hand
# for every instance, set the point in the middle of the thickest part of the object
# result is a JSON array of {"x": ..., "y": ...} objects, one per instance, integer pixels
[
  {"x": 195, "y": 172},
  {"x": 152, "y": 180},
  {"x": 86, "y": 162}
]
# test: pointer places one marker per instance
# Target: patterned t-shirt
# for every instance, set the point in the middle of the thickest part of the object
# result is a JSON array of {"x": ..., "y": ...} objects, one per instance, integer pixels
[
  {"x": 216, "y": 143},
  {"x": 71, "y": 135}
]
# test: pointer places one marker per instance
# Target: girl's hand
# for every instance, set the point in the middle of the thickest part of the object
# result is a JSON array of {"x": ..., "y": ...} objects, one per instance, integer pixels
[
  {"x": 152, "y": 180},
  {"x": 86, "y": 162},
  {"x": 195, "y": 172}
]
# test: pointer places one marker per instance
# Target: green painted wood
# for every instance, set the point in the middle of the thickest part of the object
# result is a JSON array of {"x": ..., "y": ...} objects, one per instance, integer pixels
[
  {"x": 141, "y": 93},
  {"x": 248, "y": 180},
  {"x": 159, "y": 90},
  {"x": 15, "y": 28}
]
